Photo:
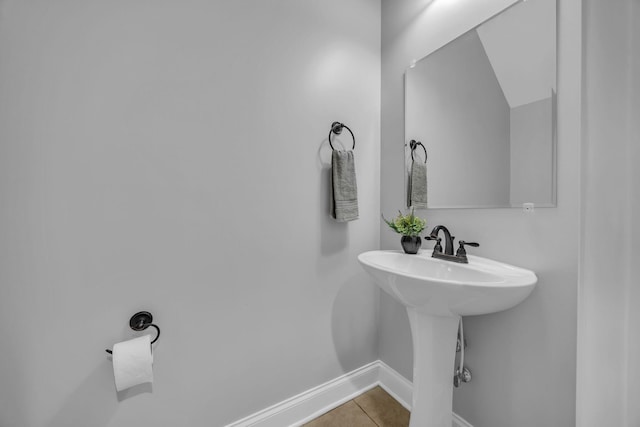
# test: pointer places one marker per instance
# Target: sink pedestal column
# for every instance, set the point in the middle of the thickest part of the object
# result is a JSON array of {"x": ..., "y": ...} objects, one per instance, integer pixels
[{"x": 434, "y": 352}]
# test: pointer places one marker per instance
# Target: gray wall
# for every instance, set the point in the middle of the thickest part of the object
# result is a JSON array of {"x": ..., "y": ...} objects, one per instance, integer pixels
[
  {"x": 456, "y": 108},
  {"x": 523, "y": 359},
  {"x": 532, "y": 153},
  {"x": 608, "y": 343},
  {"x": 633, "y": 299},
  {"x": 172, "y": 156}
]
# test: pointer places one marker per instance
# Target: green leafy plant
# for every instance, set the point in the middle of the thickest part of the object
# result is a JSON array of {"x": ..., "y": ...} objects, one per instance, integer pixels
[{"x": 407, "y": 225}]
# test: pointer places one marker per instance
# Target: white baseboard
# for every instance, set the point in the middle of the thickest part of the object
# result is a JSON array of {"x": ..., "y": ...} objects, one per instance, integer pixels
[
  {"x": 458, "y": 421},
  {"x": 312, "y": 403},
  {"x": 304, "y": 407},
  {"x": 395, "y": 384}
]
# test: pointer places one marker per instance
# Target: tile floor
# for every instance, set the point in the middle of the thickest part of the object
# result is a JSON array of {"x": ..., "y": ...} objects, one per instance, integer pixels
[{"x": 375, "y": 408}]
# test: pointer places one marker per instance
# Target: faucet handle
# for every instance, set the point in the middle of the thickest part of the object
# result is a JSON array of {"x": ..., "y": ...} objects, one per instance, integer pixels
[
  {"x": 438, "y": 246},
  {"x": 461, "y": 252}
]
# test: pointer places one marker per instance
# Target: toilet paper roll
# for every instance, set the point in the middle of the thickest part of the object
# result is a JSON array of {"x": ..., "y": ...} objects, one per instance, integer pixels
[{"x": 132, "y": 362}]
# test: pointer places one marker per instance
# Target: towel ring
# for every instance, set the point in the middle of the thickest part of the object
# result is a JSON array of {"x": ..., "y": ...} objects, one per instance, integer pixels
[
  {"x": 336, "y": 127},
  {"x": 141, "y": 321},
  {"x": 413, "y": 144}
]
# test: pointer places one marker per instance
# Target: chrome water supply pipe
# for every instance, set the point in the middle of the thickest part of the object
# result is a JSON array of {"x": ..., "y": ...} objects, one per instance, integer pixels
[{"x": 462, "y": 374}]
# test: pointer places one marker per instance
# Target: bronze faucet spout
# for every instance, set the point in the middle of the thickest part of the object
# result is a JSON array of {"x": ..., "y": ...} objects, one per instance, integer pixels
[{"x": 448, "y": 238}]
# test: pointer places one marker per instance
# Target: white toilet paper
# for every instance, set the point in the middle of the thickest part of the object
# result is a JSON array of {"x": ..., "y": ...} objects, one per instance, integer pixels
[{"x": 132, "y": 361}]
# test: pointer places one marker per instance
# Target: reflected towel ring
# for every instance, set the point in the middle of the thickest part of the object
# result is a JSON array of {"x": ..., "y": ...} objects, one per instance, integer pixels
[
  {"x": 413, "y": 144},
  {"x": 336, "y": 127},
  {"x": 141, "y": 321}
]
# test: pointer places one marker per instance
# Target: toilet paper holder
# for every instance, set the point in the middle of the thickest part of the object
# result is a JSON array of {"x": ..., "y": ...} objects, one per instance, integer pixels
[{"x": 139, "y": 322}]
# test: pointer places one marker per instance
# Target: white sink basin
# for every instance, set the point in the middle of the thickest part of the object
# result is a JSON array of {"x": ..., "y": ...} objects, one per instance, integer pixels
[
  {"x": 441, "y": 287},
  {"x": 436, "y": 293}
]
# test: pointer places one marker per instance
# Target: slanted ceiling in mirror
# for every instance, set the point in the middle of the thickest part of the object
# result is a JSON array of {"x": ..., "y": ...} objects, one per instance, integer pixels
[{"x": 483, "y": 106}]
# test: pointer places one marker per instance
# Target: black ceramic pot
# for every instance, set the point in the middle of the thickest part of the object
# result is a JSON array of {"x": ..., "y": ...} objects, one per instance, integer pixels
[{"x": 411, "y": 244}]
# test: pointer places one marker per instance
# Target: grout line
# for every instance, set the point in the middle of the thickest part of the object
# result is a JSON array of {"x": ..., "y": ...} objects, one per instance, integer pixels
[{"x": 365, "y": 412}]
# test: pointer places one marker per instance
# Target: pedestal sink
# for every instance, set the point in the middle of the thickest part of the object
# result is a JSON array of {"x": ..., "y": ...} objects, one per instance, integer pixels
[{"x": 436, "y": 293}]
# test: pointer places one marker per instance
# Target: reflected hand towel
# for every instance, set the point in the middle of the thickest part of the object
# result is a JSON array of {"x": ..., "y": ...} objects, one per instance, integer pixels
[{"x": 418, "y": 185}]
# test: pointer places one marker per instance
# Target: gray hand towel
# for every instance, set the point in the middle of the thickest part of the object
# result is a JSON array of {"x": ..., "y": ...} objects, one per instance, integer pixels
[
  {"x": 418, "y": 185},
  {"x": 345, "y": 190}
]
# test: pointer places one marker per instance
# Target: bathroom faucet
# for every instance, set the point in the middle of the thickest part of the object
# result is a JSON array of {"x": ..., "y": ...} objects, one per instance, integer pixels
[
  {"x": 461, "y": 253},
  {"x": 448, "y": 239}
]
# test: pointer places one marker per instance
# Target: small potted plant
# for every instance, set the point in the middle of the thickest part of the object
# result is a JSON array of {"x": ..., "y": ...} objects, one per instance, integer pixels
[{"x": 410, "y": 226}]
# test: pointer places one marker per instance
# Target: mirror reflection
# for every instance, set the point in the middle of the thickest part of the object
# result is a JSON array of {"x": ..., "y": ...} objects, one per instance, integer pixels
[{"x": 483, "y": 106}]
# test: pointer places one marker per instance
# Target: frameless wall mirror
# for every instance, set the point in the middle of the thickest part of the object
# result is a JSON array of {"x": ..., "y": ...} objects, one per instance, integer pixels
[{"x": 484, "y": 107}]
